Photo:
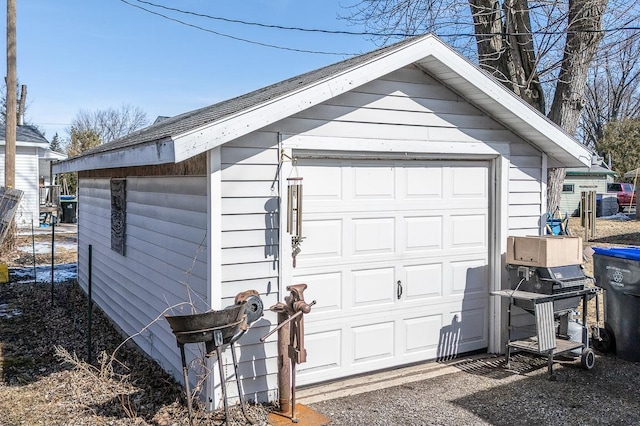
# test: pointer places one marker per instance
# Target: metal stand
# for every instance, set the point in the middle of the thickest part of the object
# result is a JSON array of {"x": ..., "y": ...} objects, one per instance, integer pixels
[
  {"x": 546, "y": 342},
  {"x": 217, "y": 329},
  {"x": 219, "y": 349},
  {"x": 291, "y": 314}
]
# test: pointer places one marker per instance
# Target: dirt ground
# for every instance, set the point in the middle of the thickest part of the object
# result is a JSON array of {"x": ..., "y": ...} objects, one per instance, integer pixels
[
  {"x": 43, "y": 344},
  {"x": 20, "y": 252}
]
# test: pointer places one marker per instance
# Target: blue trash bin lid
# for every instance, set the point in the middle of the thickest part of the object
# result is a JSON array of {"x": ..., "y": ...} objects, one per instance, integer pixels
[{"x": 632, "y": 253}]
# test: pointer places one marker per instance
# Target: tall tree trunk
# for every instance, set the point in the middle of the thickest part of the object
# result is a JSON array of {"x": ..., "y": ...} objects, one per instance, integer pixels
[
  {"x": 583, "y": 37},
  {"x": 505, "y": 47}
]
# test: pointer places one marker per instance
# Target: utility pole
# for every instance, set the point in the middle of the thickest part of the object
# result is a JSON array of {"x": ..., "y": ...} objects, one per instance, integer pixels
[{"x": 11, "y": 117}]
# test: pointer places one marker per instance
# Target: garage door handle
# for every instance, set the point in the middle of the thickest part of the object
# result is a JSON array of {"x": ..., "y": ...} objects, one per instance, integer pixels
[{"x": 399, "y": 289}]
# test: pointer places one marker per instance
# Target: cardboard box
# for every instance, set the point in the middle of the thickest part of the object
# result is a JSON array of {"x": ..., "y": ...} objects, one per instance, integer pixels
[{"x": 546, "y": 251}]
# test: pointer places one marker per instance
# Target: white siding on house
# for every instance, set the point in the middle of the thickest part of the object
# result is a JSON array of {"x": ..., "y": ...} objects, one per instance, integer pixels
[
  {"x": 408, "y": 104},
  {"x": 26, "y": 180},
  {"x": 526, "y": 173},
  {"x": 250, "y": 245},
  {"x": 165, "y": 251}
]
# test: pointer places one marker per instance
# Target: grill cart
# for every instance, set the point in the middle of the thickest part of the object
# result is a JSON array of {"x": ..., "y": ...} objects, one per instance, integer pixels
[{"x": 550, "y": 288}]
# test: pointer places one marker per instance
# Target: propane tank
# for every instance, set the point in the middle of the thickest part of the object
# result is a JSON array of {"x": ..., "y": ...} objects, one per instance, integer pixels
[{"x": 574, "y": 331}]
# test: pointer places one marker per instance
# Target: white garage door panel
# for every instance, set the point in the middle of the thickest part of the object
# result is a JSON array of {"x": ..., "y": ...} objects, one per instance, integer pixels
[
  {"x": 372, "y": 227},
  {"x": 373, "y": 342},
  {"x": 423, "y": 281},
  {"x": 469, "y": 230},
  {"x": 371, "y": 289},
  {"x": 323, "y": 351},
  {"x": 373, "y": 181},
  {"x": 470, "y": 277},
  {"x": 326, "y": 290},
  {"x": 316, "y": 245},
  {"x": 375, "y": 235},
  {"x": 423, "y": 233},
  {"x": 422, "y": 333},
  {"x": 423, "y": 183},
  {"x": 469, "y": 183}
]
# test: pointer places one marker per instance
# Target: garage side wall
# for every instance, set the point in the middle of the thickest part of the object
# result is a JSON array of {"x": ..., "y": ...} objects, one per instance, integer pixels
[
  {"x": 250, "y": 251},
  {"x": 527, "y": 203},
  {"x": 164, "y": 261}
]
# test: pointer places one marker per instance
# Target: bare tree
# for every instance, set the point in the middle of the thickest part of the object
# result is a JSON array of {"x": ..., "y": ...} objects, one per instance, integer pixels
[
  {"x": 21, "y": 104},
  {"x": 109, "y": 124},
  {"x": 540, "y": 50},
  {"x": 613, "y": 91}
]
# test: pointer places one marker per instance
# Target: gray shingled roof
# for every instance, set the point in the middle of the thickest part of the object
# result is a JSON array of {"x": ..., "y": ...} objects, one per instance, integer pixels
[
  {"x": 182, "y": 123},
  {"x": 593, "y": 170},
  {"x": 26, "y": 134}
]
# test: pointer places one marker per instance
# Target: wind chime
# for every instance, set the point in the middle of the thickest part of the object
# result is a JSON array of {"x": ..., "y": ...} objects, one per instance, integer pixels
[{"x": 294, "y": 215}]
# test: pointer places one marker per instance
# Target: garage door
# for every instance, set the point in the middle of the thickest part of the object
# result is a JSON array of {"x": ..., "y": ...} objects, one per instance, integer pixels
[{"x": 396, "y": 256}]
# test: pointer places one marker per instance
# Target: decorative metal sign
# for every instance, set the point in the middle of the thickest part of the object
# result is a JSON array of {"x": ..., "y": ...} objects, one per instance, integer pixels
[{"x": 118, "y": 214}]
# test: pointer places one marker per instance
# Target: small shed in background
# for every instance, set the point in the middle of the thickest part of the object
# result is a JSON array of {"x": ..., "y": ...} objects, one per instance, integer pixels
[
  {"x": 33, "y": 170},
  {"x": 595, "y": 178}
]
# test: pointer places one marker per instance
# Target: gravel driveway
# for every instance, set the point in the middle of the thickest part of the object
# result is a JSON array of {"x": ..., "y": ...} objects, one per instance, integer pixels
[{"x": 484, "y": 392}]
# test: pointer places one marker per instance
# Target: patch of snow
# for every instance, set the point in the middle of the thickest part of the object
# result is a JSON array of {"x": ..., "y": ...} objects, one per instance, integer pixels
[
  {"x": 7, "y": 313},
  {"x": 61, "y": 273}
]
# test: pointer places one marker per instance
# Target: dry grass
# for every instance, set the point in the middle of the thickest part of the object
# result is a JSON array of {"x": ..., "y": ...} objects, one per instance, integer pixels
[
  {"x": 20, "y": 252},
  {"x": 44, "y": 379}
]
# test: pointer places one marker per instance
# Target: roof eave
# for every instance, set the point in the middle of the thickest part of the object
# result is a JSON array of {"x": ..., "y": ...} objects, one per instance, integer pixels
[
  {"x": 154, "y": 153},
  {"x": 505, "y": 107}
]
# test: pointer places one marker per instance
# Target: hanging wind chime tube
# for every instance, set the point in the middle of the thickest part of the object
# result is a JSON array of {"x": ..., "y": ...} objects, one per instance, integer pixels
[{"x": 294, "y": 215}]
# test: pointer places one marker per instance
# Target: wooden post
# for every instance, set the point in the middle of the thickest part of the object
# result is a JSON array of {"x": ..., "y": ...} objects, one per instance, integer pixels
[
  {"x": 11, "y": 117},
  {"x": 588, "y": 213}
]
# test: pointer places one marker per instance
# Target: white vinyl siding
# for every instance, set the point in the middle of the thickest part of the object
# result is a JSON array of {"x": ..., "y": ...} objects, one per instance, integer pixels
[
  {"x": 408, "y": 104},
  {"x": 250, "y": 245},
  {"x": 405, "y": 105},
  {"x": 26, "y": 180},
  {"x": 526, "y": 174},
  {"x": 165, "y": 253}
]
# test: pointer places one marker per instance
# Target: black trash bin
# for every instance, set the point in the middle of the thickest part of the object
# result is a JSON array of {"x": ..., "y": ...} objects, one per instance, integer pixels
[
  {"x": 617, "y": 270},
  {"x": 69, "y": 208}
]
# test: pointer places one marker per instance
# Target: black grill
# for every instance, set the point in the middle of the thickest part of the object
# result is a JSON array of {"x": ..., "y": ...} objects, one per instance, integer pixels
[{"x": 551, "y": 281}]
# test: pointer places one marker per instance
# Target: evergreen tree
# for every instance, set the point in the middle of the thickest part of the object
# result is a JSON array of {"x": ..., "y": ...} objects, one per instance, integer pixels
[
  {"x": 55, "y": 144},
  {"x": 621, "y": 142}
]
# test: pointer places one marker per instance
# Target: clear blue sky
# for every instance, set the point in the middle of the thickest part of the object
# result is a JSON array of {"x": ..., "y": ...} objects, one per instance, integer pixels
[{"x": 97, "y": 54}]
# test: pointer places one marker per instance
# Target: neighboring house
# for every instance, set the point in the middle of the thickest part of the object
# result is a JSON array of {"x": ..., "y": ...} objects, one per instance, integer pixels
[
  {"x": 579, "y": 180},
  {"x": 416, "y": 166},
  {"x": 33, "y": 170}
]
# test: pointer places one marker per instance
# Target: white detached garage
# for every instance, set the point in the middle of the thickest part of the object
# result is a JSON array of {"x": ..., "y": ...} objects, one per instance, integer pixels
[{"x": 416, "y": 166}]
